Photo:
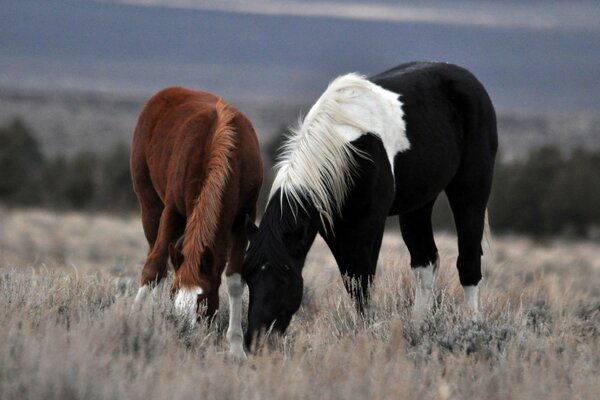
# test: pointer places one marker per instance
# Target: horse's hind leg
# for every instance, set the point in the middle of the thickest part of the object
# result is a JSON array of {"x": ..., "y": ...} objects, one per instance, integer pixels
[
  {"x": 424, "y": 261},
  {"x": 468, "y": 195},
  {"x": 170, "y": 228},
  {"x": 469, "y": 215},
  {"x": 151, "y": 210},
  {"x": 150, "y": 203}
]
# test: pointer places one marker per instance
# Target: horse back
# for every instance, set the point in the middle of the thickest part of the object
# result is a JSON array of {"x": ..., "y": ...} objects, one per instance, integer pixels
[
  {"x": 451, "y": 127},
  {"x": 442, "y": 103},
  {"x": 173, "y": 142}
]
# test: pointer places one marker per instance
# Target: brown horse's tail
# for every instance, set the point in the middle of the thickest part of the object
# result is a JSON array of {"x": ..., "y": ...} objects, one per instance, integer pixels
[{"x": 202, "y": 224}]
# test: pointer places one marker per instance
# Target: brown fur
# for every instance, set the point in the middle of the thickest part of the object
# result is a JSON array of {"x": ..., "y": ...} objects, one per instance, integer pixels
[
  {"x": 197, "y": 171},
  {"x": 203, "y": 222}
]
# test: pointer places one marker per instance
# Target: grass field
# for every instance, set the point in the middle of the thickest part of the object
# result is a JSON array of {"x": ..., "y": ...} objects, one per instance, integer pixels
[{"x": 67, "y": 283}]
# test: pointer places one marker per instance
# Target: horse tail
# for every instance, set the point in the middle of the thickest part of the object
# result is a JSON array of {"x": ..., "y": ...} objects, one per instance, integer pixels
[
  {"x": 202, "y": 224},
  {"x": 487, "y": 236}
]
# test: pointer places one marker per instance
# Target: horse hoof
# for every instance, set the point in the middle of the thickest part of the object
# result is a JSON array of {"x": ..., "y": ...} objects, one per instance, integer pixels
[
  {"x": 474, "y": 316},
  {"x": 471, "y": 304},
  {"x": 421, "y": 308},
  {"x": 140, "y": 297},
  {"x": 238, "y": 354},
  {"x": 418, "y": 316}
]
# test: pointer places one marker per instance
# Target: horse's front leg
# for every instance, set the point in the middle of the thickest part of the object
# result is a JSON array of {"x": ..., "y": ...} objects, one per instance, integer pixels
[
  {"x": 235, "y": 289},
  {"x": 417, "y": 233},
  {"x": 356, "y": 250}
]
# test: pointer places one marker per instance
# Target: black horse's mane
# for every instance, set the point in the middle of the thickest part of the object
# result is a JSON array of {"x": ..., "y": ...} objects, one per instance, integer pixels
[{"x": 267, "y": 246}]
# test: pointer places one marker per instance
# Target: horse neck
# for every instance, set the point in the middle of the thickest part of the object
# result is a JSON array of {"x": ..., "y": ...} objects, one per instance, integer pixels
[{"x": 291, "y": 227}]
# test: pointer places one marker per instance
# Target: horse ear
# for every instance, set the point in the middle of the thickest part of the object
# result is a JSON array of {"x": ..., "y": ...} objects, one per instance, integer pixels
[
  {"x": 251, "y": 227},
  {"x": 176, "y": 256}
]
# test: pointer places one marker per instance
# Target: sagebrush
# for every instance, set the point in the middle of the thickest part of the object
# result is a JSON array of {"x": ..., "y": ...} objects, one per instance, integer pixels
[{"x": 67, "y": 330}]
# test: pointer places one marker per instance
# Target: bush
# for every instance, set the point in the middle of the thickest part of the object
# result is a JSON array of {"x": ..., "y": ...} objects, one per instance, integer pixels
[
  {"x": 20, "y": 164},
  {"x": 546, "y": 194},
  {"x": 80, "y": 184},
  {"x": 83, "y": 181},
  {"x": 549, "y": 193},
  {"x": 573, "y": 203},
  {"x": 115, "y": 187}
]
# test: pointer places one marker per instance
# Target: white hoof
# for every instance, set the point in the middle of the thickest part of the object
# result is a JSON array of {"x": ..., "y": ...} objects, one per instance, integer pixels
[
  {"x": 237, "y": 352},
  {"x": 424, "y": 284},
  {"x": 141, "y": 294},
  {"x": 186, "y": 303},
  {"x": 140, "y": 298},
  {"x": 472, "y": 301}
]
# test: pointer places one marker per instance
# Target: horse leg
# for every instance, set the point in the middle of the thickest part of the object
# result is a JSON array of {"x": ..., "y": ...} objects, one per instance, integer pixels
[
  {"x": 356, "y": 250},
  {"x": 151, "y": 209},
  {"x": 417, "y": 233},
  {"x": 469, "y": 217},
  {"x": 235, "y": 289},
  {"x": 150, "y": 203},
  {"x": 155, "y": 268}
]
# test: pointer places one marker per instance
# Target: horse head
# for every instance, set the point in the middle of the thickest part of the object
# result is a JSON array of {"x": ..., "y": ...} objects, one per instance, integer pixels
[
  {"x": 275, "y": 283},
  {"x": 275, "y": 295},
  {"x": 191, "y": 291}
]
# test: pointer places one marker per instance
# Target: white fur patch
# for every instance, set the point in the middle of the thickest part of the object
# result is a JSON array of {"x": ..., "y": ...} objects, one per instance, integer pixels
[
  {"x": 186, "y": 303},
  {"x": 424, "y": 283},
  {"x": 141, "y": 294},
  {"x": 472, "y": 298},
  {"x": 319, "y": 159},
  {"x": 235, "y": 335}
]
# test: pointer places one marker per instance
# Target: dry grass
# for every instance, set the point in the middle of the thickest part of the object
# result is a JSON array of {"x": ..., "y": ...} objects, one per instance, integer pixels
[{"x": 67, "y": 284}]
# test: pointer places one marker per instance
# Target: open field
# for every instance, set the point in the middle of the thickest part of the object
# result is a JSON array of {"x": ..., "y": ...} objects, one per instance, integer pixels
[{"x": 67, "y": 283}]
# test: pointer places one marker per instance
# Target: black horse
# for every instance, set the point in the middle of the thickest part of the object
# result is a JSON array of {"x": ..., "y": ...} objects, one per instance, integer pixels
[{"x": 367, "y": 149}]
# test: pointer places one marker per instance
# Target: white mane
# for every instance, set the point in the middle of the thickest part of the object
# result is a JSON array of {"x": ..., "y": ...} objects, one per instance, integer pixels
[{"x": 318, "y": 160}]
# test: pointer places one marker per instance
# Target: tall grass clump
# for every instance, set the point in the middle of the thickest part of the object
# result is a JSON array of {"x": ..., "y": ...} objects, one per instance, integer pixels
[{"x": 72, "y": 334}]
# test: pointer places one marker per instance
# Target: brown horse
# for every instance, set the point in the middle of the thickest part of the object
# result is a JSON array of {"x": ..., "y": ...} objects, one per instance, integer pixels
[{"x": 197, "y": 171}]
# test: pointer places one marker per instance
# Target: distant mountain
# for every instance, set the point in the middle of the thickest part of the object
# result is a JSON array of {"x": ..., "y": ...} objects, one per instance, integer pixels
[
  {"x": 115, "y": 47},
  {"x": 66, "y": 122}
]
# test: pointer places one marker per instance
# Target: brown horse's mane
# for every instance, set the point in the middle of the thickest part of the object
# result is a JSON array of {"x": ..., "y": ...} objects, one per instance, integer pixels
[{"x": 203, "y": 222}]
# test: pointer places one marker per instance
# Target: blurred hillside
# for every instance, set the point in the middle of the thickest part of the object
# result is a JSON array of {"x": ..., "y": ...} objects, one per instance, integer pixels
[
  {"x": 69, "y": 121},
  {"x": 546, "y": 183}
]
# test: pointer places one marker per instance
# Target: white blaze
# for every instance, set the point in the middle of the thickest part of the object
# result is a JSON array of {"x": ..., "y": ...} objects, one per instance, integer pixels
[{"x": 186, "y": 303}]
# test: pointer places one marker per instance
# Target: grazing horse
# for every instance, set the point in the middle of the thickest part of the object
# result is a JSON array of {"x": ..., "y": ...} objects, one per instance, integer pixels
[
  {"x": 367, "y": 149},
  {"x": 197, "y": 172}
]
